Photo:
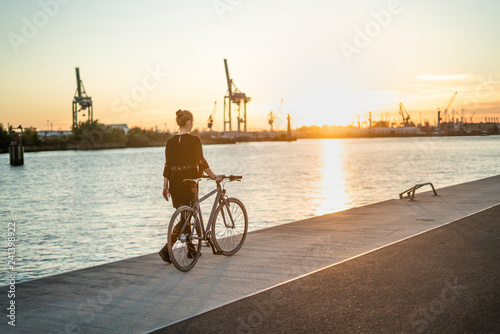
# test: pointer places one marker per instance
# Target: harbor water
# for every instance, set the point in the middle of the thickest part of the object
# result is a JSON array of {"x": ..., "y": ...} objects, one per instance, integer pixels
[{"x": 75, "y": 209}]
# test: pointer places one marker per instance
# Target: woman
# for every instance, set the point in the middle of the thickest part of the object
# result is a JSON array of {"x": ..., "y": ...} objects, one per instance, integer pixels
[{"x": 184, "y": 160}]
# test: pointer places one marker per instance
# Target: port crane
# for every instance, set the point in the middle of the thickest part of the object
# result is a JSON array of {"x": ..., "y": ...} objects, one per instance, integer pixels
[
  {"x": 81, "y": 101},
  {"x": 472, "y": 116},
  {"x": 234, "y": 96},
  {"x": 405, "y": 115},
  {"x": 211, "y": 118},
  {"x": 446, "y": 109},
  {"x": 272, "y": 116},
  {"x": 463, "y": 119}
]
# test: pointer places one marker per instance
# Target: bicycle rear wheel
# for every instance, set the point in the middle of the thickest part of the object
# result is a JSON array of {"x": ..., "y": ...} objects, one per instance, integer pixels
[
  {"x": 229, "y": 228},
  {"x": 184, "y": 238}
]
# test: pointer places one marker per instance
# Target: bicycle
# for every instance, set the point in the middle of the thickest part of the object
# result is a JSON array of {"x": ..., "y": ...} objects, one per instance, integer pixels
[{"x": 225, "y": 232}]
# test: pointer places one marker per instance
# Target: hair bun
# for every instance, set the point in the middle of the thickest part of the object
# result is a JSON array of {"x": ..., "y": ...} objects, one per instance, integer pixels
[{"x": 183, "y": 116}]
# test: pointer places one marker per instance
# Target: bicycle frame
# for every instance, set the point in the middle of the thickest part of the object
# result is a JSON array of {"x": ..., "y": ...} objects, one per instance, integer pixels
[{"x": 219, "y": 199}]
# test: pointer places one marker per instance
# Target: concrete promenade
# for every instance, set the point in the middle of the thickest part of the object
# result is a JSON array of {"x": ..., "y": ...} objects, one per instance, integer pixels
[
  {"x": 142, "y": 294},
  {"x": 443, "y": 281}
]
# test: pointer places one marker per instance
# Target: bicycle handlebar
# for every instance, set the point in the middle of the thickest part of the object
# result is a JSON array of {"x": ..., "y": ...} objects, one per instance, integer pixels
[{"x": 230, "y": 177}]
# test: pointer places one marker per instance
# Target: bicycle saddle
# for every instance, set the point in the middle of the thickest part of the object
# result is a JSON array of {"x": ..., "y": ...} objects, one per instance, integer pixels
[{"x": 192, "y": 181}]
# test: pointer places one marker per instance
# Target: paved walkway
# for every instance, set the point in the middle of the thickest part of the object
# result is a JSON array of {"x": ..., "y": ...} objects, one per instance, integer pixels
[
  {"x": 140, "y": 294},
  {"x": 442, "y": 281}
]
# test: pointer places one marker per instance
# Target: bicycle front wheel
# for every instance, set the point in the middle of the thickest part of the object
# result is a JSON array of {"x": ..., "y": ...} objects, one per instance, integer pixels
[
  {"x": 184, "y": 238},
  {"x": 229, "y": 228}
]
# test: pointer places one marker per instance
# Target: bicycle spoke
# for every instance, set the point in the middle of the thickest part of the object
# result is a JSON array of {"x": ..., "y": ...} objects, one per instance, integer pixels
[
  {"x": 230, "y": 227},
  {"x": 183, "y": 239},
  {"x": 235, "y": 218}
]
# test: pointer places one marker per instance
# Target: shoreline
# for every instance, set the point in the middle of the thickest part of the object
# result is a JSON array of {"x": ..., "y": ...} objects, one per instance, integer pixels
[{"x": 106, "y": 146}]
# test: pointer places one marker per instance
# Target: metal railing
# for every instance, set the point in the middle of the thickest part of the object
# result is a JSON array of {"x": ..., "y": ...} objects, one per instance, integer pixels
[{"x": 412, "y": 190}]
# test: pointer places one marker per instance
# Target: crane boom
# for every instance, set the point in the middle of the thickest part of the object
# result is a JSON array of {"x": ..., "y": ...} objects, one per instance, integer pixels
[
  {"x": 277, "y": 110},
  {"x": 228, "y": 78},
  {"x": 451, "y": 101},
  {"x": 78, "y": 82}
]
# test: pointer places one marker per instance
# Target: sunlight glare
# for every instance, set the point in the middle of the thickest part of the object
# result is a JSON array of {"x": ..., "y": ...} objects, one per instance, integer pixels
[{"x": 333, "y": 196}]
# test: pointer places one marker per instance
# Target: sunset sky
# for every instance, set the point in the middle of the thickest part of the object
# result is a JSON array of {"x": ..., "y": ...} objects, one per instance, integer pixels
[{"x": 330, "y": 60}]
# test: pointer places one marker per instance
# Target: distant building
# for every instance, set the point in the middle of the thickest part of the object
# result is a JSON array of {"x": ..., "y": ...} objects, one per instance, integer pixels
[
  {"x": 405, "y": 131},
  {"x": 348, "y": 131},
  {"x": 47, "y": 133},
  {"x": 119, "y": 126}
]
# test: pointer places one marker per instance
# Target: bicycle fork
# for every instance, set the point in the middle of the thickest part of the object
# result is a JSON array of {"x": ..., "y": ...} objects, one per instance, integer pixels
[{"x": 225, "y": 203}]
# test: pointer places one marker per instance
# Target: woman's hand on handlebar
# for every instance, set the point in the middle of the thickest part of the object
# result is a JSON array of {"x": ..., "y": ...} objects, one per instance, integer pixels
[{"x": 214, "y": 177}]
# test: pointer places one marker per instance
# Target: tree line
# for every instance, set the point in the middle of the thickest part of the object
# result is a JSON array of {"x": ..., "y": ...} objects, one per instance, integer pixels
[{"x": 87, "y": 135}]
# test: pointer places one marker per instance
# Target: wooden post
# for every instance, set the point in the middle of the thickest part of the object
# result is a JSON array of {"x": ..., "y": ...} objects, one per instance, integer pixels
[{"x": 16, "y": 153}]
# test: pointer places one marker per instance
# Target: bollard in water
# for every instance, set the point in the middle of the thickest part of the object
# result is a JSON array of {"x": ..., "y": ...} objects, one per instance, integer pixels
[{"x": 16, "y": 153}]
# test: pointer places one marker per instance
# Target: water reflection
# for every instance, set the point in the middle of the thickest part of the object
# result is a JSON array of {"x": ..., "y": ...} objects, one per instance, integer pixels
[
  {"x": 333, "y": 195},
  {"x": 76, "y": 209}
]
